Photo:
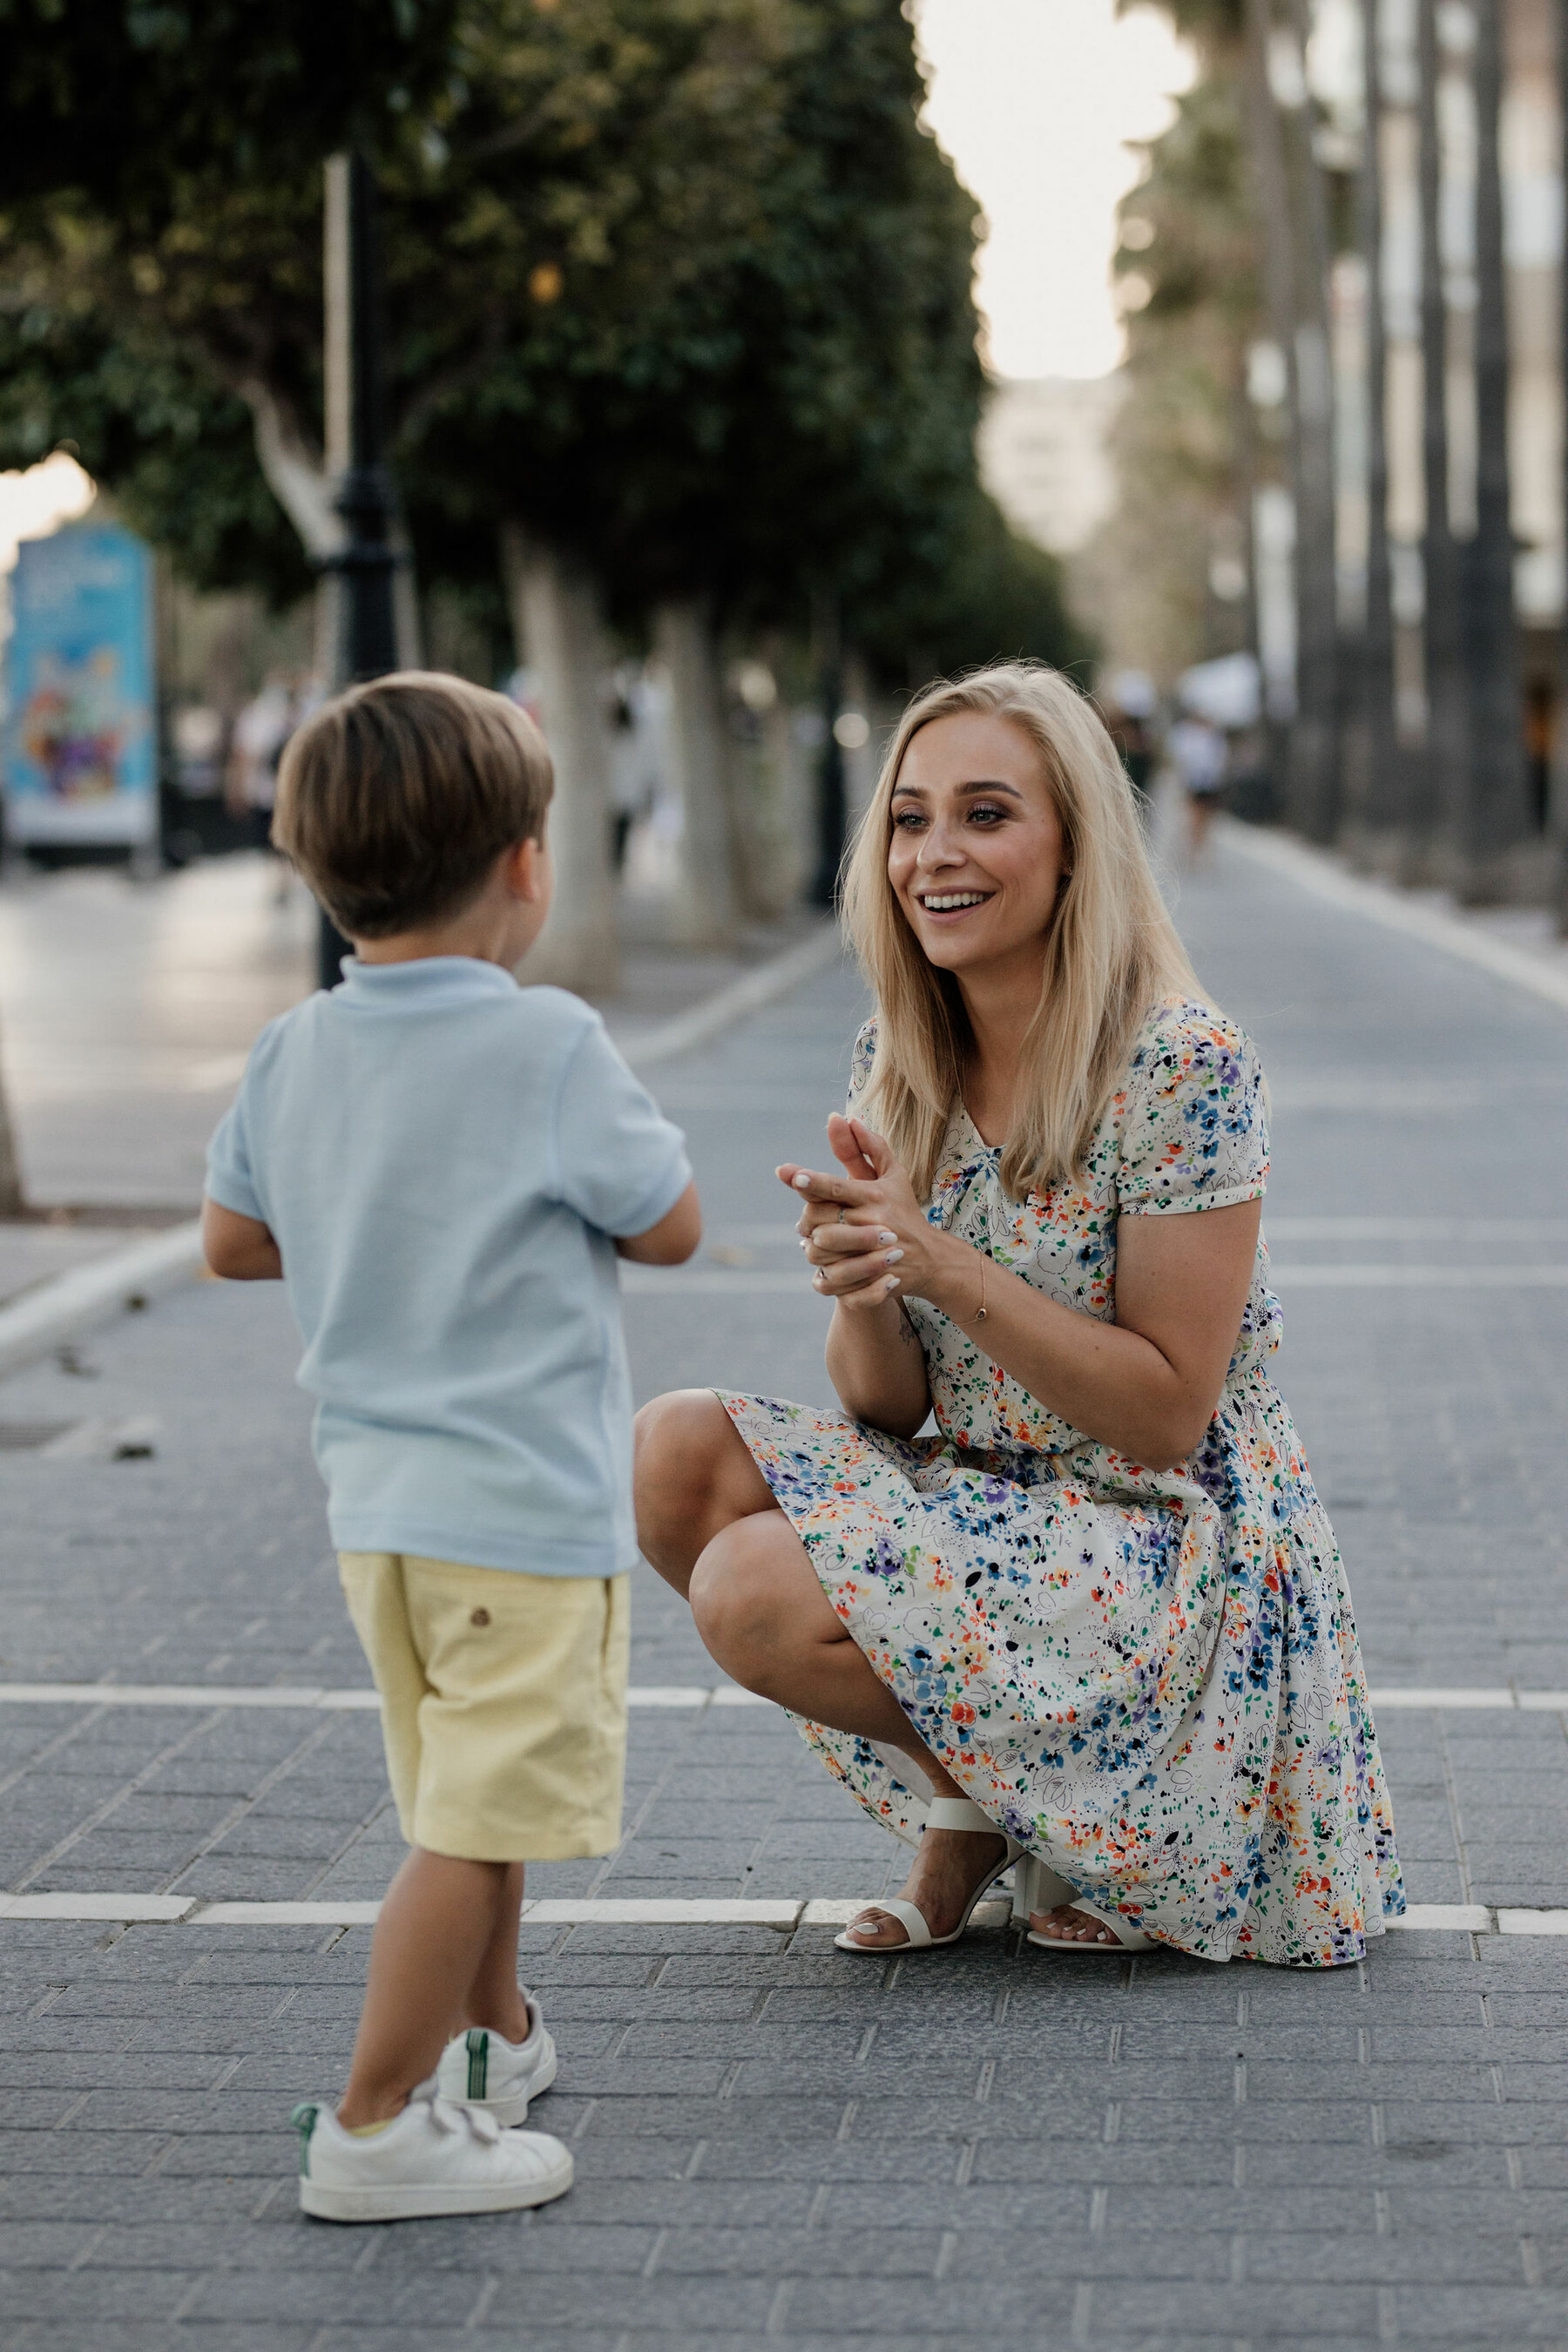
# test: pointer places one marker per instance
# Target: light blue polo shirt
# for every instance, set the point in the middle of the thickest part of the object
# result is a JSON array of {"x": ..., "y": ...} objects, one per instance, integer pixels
[{"x": 442, "y": 1157}]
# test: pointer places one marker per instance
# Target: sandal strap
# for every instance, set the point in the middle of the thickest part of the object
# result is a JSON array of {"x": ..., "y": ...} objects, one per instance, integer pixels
[
  {"x": 911, "y": 1917},
  {"x": 1131, "y": 1938},
  {"x": 958, "y": 1813}
]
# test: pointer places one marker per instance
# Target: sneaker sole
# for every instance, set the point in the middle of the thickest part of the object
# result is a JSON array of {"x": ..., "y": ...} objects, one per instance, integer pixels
[
  {"x": 514, "y": 2108},
  {"x": 408, "y": 2204}
]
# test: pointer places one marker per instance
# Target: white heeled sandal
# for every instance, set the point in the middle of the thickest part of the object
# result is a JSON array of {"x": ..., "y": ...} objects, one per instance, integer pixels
[
  {"x": 943, "y": 1813},
  {"x": 1036, "y": 1888}
]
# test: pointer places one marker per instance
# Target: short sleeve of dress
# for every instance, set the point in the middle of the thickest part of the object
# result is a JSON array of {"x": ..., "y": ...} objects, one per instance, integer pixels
[
  {"x": 1193, "y": 1130},
  {"x": 862, "y": 1054}
]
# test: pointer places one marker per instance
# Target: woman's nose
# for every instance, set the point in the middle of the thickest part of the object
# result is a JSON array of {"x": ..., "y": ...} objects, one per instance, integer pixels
[{"x": 939, "y": 848}]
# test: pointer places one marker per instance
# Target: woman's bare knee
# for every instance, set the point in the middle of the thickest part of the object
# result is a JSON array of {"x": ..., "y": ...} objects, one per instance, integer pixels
[
  {"x": 757, "y": 1603},
  {"x": 693, "y": 1475}
]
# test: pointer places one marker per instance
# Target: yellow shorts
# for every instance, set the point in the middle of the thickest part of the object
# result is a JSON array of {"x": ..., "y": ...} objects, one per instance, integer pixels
[{"x": 504, "y": 1703}]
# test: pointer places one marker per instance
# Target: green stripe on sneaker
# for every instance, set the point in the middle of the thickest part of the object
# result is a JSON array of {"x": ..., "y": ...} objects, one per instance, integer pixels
[
  {"x": 478, "y": 2043},
  {"x": 303, "y": 2119}
]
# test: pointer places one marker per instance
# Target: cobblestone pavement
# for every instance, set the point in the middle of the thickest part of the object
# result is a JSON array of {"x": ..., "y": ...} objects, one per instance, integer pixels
[{"x": 777, "y": 2143}]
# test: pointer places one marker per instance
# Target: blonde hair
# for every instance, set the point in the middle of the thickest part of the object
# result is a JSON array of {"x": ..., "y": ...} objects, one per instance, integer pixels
[
  {"x": 394, "y": 799},
  {"x": 1110, "y": 955}
]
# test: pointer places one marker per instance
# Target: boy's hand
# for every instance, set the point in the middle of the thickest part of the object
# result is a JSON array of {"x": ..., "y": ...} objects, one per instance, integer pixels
[{"x": 240, "y": 1249}]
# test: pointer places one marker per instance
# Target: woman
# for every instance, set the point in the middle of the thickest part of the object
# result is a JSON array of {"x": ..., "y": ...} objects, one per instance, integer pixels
[{"x": 1100, "y": 1615}]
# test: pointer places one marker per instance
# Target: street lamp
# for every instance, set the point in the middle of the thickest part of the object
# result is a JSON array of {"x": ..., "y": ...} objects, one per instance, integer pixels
[{"x": 365, "y": 565}]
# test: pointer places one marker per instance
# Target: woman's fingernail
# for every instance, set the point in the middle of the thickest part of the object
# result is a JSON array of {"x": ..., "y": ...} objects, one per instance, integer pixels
[
  {"x": 892, "y": 1283},
  {"x": 887, "y": 1237},
  {"x": 892, "y": 1257},
  {"x": 802, "y": 1182}
]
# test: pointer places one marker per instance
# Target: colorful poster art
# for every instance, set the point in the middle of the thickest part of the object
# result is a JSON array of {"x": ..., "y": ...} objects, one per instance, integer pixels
[{"x": 81, "y": 761}]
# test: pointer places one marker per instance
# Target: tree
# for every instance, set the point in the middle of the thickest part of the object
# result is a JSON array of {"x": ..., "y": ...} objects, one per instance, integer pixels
[
  {"x": 120, "y": 101},
  {"x": 1496, "y": 823},
  {"x": 1379, "y": 808},
  {"x": 1443, "y": 820},
  {"x": 680, "y": 295}
]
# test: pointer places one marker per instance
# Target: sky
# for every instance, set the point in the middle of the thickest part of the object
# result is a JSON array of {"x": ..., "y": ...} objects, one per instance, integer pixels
[{"x": 1033, "y": 101}]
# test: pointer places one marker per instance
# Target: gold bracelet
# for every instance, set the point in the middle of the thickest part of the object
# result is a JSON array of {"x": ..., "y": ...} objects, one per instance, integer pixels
[{"x": 980, "y": 1311}]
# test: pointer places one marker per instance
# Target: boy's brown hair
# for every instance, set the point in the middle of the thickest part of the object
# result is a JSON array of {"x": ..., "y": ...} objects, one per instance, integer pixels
[{"x": 394, "y": 799}]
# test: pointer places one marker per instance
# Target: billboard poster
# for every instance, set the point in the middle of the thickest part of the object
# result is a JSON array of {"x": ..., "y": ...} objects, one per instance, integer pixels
[{"x": 80, "y": 751}]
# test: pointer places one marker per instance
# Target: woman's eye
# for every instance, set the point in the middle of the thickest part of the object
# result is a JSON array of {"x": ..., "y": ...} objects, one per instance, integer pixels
[
  {"x": 907, "y": 820},
  {"x": 988, "y": 811}
]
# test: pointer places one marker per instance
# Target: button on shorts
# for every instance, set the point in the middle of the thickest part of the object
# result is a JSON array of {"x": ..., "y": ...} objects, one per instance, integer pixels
[{"x": 504, "y": 1703}]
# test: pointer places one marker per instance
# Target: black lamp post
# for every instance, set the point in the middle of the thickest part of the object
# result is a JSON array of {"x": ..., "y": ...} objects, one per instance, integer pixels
[{"x": 365, "y": 564}]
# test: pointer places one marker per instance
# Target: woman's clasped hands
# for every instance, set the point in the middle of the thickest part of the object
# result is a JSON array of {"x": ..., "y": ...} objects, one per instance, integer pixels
[{"x": 864, "y": 1232}]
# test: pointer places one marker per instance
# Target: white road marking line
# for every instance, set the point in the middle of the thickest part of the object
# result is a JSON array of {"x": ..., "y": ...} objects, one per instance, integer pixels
[
  {"x": 692, "y": 1695},
  {"x": 1419, "y": 1278},
  {"x": 307, "y": 1696},
  {"x": 784, "y": 1911},
  {"x": 743, "y": 1282}
]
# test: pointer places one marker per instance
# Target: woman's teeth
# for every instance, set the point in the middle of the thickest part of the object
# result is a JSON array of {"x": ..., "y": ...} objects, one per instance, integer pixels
[{"x": 952, "y": 899}]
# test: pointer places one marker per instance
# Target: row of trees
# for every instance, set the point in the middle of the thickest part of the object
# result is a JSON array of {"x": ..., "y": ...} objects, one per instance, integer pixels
[
  {"x": 681, "y": 339},
  {"x": 1250, "y": 198}
]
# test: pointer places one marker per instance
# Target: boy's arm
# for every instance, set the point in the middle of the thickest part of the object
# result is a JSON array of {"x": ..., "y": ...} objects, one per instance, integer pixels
[
  {"x": 670, "y": 1242},
  {"x": 242, "y": 1249}
]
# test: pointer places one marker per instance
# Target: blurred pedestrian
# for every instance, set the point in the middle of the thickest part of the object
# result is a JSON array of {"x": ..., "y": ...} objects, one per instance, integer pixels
[
  {"x": 443, "y": 1169},
  {"x": 1096, "y": 1623},
  {"x": 1132, "y": 702},
  {"x": 261, "y": 734},
  {"x": 1200, "y": 755}
]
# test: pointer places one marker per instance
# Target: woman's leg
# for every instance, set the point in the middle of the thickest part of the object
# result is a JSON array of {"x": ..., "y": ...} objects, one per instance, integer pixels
[
  {"x": 693, "y": 1476},
  {"x": 765, "y": 1618},
  {"x": 767, "y": 1621}
]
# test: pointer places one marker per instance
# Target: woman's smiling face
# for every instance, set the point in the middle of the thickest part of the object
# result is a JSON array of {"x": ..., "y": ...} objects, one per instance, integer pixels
[{"x": 975, "y": 857}]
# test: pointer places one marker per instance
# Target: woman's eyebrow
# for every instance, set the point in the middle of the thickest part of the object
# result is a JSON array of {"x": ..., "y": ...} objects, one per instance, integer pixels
[{"x": 975, "y": 785}]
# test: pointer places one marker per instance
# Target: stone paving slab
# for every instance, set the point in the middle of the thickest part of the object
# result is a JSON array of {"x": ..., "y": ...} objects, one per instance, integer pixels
[{"x": 777, "y": 2142}]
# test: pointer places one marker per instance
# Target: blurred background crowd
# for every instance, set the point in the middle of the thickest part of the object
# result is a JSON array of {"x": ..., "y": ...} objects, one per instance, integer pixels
[{"x": 641, "y": 345}]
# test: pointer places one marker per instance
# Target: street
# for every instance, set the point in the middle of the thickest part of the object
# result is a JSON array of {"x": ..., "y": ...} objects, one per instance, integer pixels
[{"x": 776, "y": 2142}]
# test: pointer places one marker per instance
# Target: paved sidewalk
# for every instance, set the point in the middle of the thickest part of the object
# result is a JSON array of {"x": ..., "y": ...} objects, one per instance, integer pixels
[
  {"x": 777, "y": 2143},
  {"x": 128, "y": 1006}
]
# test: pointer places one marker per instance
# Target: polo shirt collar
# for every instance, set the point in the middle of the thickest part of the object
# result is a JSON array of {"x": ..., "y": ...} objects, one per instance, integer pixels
[{"x": 424, "y": 980}]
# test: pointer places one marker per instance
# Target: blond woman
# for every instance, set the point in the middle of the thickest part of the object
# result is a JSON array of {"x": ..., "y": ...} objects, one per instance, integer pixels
[{"x": 1096, "y": 1622}]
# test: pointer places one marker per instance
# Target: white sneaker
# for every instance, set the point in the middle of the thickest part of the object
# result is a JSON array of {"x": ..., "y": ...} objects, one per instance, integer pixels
[
  {"x": 479, "y": 2069},
  {"x": 434, "y": 2158}
]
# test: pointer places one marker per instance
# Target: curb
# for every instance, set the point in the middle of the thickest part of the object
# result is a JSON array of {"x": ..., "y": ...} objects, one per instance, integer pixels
[
  {"x": 727, "y": 1005},
  {"x": 42, "y": 1320},
  {"x": 1316, "y": 871}
]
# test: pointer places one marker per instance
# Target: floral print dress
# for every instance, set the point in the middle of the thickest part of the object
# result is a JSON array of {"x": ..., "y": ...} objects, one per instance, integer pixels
[{"x": 1150, "y": 1678}]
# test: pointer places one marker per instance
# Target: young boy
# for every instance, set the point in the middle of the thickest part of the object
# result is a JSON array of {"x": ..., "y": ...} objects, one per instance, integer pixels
[{"x": 442, "y": 1168}]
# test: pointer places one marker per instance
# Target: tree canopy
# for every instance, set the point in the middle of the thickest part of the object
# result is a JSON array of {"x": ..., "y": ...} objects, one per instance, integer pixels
[{"x": 680, "y": 285}]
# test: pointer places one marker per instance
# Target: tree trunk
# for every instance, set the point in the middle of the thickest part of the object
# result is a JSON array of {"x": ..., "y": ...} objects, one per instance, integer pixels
[
  {"x": 1496, "y": 848},
  {"x": 1440, "y": 809},
  {"x": 1381, "y": 796},
  {"x": 561, "y": 637},
  {"x": 12, "y": 1199},
  {"x": 1296, "y": 317},
  {"x": 1560, "y": 749},
  {"x": 1315, "y": 783},
  {"x": 704, "y": 910}
]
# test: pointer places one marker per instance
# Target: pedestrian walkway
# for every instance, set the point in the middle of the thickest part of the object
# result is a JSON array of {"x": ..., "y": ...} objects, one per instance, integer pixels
[
  {"x": 128, "y": 1005},
  {"x": 777, "y": 2142}
]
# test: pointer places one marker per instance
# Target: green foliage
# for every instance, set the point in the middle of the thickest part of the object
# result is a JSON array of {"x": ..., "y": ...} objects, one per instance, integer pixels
[
  {"x": 117, "y": 99},
  {"x": 679, "y": 284},
  {"x": 1181, "y": 436}
]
